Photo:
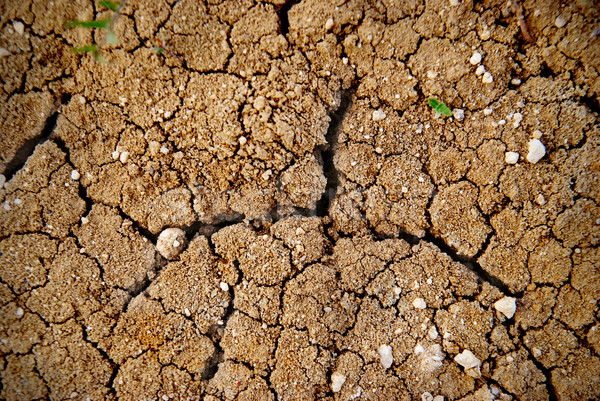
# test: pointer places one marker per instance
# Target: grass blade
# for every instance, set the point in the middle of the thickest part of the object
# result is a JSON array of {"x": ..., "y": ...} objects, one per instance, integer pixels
[
  {"x": 111, "y": 5},
  {"x": 101, "y": 23}
]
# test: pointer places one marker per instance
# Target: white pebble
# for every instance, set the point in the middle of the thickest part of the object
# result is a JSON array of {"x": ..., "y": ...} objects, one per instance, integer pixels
[
  {"x": 165, "y": 244},
  {"x": 75, "y": 175},
  {"x": 418, "y": 349},
  {"x": 6, "y": 206},
  {"x": 224, "y": 286},
  {"x": 467, "y": 359},
  {"x": 164, "y": 150},
  {"x": 515, "y": 81},
  {"x": 517, "y": 118},
  {"x": 559, "y": 22},
  {"x": 3, "y": 52},
  {"x": 387, "y": 358},
  {"x": 18, "y": 201},
  {"x": 19, "y": 312},
  {"x": 507, "y": 306},
  {"x": 379, "y": 115},
  {"x": 432, "y": 333},
  {"x": 459, "y": 114},
  {"x": 242, "y": 140},
  {"x": 487, "y": 78},
  {"x": 337, "y": 381},
  {"x": 487, "y": 111},
  {"x": 115, "y": 154},
  {"x": 419, "y": 303},
  {"x": 537, "y": 134},
  {"x": 475, "y": 58},
  {"x": 329, "y": 24},
  {"x": 187, "y": 312},
  {"x": 537, "y": 150},
  {"x": 426, "y": 397},
  {"x": 540, "y": 200},
  {"x": 511, "y": 157},
  {"x": 123, "y": 157},
  {"x": 19, "y": 27}
]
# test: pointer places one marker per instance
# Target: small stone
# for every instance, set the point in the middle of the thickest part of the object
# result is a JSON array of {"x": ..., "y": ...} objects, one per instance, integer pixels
[
  {"x": 329, "y": 24},
  {"x": 487, "y": 78},
  {"x": 537, "y": 150},
  {"x": 515, "y": 81},
  {"x": 487, "y": 111},
  {"x": 517, "y": 118},
  {"x": 485, "y": 34},
  {"x": 507, "y": 306},
  {"x": 123, "y": 157},
  {"x": 432, "y": 333},
  {"x": 2, "y": 181},
  {"x": 459, "y": 114},
  {"x": 386, "y": 356},
  {"x": 3, "y": 52},
  {"x": 187, "y": 312},
  {"x": 259, "y": 103},
  {"x": 438, "y": 398},
  {"x": 164, "y": 150},
  {"x": 242, "y": 140},
  {"x": 426, "y": 397},
  {"x": 19, "y": 27},
  {"x": 419, "y": 303},
  {"x": 379, "y": 115},
  {"x": 540, "y": 200},
  {"x": 75, "y": 175},
  {"x": 19, "y": 312},
  {"x": 18, "y": 201},
  {"x": 467, "y": 360},
  {"x": 115, "y": 154},
  {"x": 337, "y": 381},
  {"x": 559, "y": 22},
  {"x": 511, "y": 157},
  {"x": 537, "y": 134},
  {"x": 166, "y": 241},
  {"x": 475, "y": 58},
  {"x": 224, "y": 286}
]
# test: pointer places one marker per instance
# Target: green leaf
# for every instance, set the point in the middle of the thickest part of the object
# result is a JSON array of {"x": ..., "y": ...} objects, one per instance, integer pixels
[
  {"x": 159, "y": 49},
  {"x": 101, "y": 23},
  {"x": 443, "y": 109},
  {"x": 86, "y": 49},
  {"x": 112, "y": 5},
  {"x": 433, "y": 103}
]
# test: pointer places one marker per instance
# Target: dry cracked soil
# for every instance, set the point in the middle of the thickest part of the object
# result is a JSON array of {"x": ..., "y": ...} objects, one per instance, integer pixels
[{"x": 269, "y": 209}]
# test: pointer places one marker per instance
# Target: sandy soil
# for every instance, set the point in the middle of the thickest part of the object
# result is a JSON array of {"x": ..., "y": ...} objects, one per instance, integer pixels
[{"x": 329, "y": 237}]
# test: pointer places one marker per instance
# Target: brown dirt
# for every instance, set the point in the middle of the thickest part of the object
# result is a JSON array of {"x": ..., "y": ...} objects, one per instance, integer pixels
[{"x": 329, "y": 215}]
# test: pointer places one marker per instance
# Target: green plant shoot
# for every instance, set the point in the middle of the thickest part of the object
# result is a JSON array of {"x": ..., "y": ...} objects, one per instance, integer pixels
[
  {"x": 439, "y": 107},
  {"x": 105, "y": 24}
]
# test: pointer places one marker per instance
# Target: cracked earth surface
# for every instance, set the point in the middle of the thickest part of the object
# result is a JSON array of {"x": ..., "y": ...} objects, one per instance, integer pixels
[{"x": 339, "y": 241}]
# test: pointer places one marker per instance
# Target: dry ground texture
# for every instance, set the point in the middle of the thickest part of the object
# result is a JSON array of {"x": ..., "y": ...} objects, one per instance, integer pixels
[{"x": 338, "y": 240}]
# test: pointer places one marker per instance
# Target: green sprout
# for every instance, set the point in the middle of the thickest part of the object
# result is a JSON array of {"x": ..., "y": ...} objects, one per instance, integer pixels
[
  {"x": 106, "y": 23},
  {"x": 439, "y": 107}
]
